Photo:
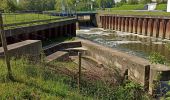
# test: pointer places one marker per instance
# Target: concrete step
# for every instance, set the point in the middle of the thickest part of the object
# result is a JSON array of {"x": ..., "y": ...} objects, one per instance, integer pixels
[{"x": 59, "y": 55}]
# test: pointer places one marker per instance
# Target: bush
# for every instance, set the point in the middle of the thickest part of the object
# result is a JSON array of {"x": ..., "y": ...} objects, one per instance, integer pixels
[{"x": 157, "y": 58}]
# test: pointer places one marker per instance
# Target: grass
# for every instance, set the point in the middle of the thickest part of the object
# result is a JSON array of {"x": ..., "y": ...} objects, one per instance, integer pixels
[
  {"x": 161, "y": 7},
  {"x": 36, "y": 81},
  {"x": 138, "y": 13},
  {"x": 57, "y": 40},
  {"x": 14, "y": 18},
  {"x": 129, "y": 7},
  {"x": 19, "y": 18}
]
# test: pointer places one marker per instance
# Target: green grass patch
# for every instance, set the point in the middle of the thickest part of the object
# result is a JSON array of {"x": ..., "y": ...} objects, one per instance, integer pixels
[
  {"x": 138, "y": 13},
  {"x": 129, "y": 7},
  {"x": 19, "y": 18},
  {"x": 36, "y": 82},
  {"x": 161, "y": 7},
  {"x": 57, "y": 40}
]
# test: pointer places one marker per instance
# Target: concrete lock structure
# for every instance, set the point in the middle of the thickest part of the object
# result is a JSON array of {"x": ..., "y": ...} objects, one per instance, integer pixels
[
  {"x": 157, "y": 27},
  {"x": 42, "y": 32}
]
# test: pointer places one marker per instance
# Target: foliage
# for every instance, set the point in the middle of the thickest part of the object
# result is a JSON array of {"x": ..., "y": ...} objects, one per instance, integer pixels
[
  {"x": 157, "y": 58},
  {"x": 139, "y": 13},
  {"x": 36, "y": 81},
  {"x": 39, "y": 5},
  {"x": 132, "y": 1},
  {"x": 146, "y": 1},
  {"x": 161, "y": 7},
  {"x": 128, "y": 7},
  {"x": 105, "y": 3},
  {"x": 8, "y": 5}
]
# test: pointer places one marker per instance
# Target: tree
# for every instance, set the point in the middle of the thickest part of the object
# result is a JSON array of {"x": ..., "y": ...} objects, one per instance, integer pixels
[
  {"x": 39, "y": 5},
  {"x": 8, "y": 5},
  {"x": 146, "y": 1},
  {"x": 105, "y": 3},
  {"x": 132, "y": 1}
]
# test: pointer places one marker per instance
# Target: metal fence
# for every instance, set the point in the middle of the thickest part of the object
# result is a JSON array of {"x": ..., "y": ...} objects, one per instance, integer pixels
[{"x": 29, "y": 18}]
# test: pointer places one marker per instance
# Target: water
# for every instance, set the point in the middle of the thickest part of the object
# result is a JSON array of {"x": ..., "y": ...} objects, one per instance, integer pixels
[{"x": 130, "y": 43}]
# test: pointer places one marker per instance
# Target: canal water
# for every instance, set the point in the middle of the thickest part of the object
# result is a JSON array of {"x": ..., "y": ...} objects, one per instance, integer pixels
[{"x": 130, "y": 43}]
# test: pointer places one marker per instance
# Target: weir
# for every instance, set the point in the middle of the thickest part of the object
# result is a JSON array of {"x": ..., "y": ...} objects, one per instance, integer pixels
[{"x": 157, "y": 27}]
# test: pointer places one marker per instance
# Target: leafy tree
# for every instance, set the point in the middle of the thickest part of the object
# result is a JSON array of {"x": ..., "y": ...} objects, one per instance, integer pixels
[
  {"x": 40, "y": 5},
  {"x": 8, "y": 5},
  {"x": 105, "y": 3},
  {"x": 146, "y": 1},
  {"x": 132, "y": 1}
]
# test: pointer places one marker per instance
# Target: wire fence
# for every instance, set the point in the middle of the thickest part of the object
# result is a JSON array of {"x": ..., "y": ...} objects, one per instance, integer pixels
[{"x": 25, "y": 18}]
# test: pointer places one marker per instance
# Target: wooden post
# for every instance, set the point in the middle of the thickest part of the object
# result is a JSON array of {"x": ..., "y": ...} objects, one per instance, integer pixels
[
  {"x": 4, "y": 45},
  {"x": 79, "y": 73}
]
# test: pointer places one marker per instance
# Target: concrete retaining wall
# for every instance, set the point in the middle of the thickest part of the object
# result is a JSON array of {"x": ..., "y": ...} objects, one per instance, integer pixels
[
  {"x": 139, "y": 69},
  {"x": 29, "y": 48},
  {"x": 42, "y": 32},
  {"x": 142, "y": 25}
]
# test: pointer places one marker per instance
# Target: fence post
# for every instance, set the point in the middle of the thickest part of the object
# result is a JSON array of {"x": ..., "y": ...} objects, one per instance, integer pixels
[
  {"x": 4, "y": 45},
  {"x": 79, "y": 73}
]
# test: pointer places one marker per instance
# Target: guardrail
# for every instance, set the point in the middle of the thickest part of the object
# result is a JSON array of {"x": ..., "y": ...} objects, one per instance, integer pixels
[{"x": 36, "y": 21}]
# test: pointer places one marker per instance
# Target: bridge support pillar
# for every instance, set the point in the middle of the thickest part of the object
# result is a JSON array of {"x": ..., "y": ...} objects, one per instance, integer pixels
[
  {"x": 139, "y": 27},
  {"x": 135, "y": 21},
  {"x": 162, "y": 29},
  {"x": 167, "y": 36},
  {"x": 156, "y": 28},
  {"x": 150, "y": 27},
  {"x": 144, "y": 27}
]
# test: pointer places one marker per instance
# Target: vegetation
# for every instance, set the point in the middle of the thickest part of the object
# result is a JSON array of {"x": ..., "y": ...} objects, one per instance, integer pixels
[
  {"x": 161, "y": 7},
  {"x": 37, "y": 81},
  {"x": 18, "y": 18},
  {"x": 57, "y": 40},
  {"x": 128, "y": 7},
  {"x": 157, "y": 58},
  {"x": 140, "y": 13}
]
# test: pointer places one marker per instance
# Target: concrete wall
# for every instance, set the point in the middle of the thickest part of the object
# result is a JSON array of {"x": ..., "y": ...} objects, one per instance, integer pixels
[
  {"x": 139, "y": 69},
  {"x": 29, "y": 48},
  {"x": 42, "y": 32},
  {"x": 143, "y": 25}
]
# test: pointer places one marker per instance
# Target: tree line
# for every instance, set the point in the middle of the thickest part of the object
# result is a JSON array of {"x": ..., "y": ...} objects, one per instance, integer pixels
[
  {"x": 44, "y": 5},
  {"x": 69, "y": 5}
]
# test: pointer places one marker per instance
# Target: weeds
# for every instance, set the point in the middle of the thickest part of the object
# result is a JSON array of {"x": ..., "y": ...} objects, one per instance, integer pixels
[
  {"x": 157, "y": 58},
  {"x": 34, "y": 81}
]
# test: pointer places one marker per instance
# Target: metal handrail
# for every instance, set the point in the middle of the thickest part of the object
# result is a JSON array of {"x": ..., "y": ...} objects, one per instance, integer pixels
[{"x": 36, "y": 21}]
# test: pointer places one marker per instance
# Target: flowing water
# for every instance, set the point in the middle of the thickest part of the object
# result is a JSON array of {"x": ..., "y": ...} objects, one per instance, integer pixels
[{"x": 130, "y": 43}]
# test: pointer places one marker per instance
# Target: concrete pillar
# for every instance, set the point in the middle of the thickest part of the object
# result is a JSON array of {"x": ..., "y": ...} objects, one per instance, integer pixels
[
  {"x": 123, "y": 24},
  {"x": 110, "y": 22},
  {"x": 144, "y": 27},
  {"x": 156, "y": 28},
  {"x": 126, "y": 24},
  {"x": 74, "y": 29},
  {"x": 139, "y": 27},
  {"x": 113, "y": 22},
  {"x": 162, "y": 28},
  {"x": 130, "y": 25},
  {"x": 135, "y": 21},
  {"x": 150, "y": 27},
  {"x": 167, "y": 35},
  {"x": 119, "y": 24},
  {"x": 116, "y": 23},
  {"x": 104, "y": 22}
]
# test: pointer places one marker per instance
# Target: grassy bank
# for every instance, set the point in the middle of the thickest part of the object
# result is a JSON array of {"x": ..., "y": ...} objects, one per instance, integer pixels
[
  {"x": 129, "y": 7},
  {"x": 138, "y": 13},
  {"x": 19, "y": 18},
  {"x": 36, "y": 81}
]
